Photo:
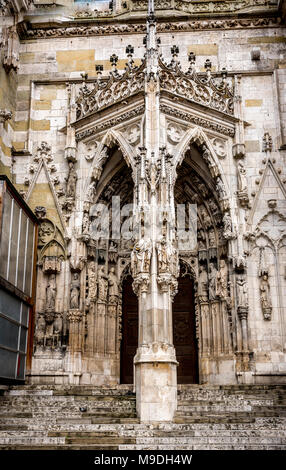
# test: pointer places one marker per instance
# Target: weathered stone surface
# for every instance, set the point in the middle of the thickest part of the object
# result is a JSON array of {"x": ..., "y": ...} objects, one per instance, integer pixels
[{"x": 208, "y": 417}]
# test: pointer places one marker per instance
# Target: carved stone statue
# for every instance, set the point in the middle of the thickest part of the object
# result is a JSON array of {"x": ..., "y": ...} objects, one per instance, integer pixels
[
  {"x": 227, "y": 226},
  {"x": 221, "y": 280},
  {"x": 71, "y": 181},
  {"x": 212, "y": 281},
  {"x": 212, "y": 239},
  {"x": 203, "y": 284},
  {"x": 113, "y": 290},
  {"x": 206, "y": 155},
  {"x": 205, "y": 216},
  {"x": 75, "y": 292},
  {"x": 265, "y": 298},
  {"x": 102, "y": 284},
  {"x": 85, "y": 223},
  {"x": 162, "y": 255},
  {"x": 57, "y": 330},
  {"x": 92, "y": 284},
  {"x": 220, "y": 188},
  {"x": 51, "y": 292},
  {"x": 141, "y": 256},
  {"x": 40, "y": 331},
  {"x": 241, "y": 286},
  {"x": 242, "y": 180}
]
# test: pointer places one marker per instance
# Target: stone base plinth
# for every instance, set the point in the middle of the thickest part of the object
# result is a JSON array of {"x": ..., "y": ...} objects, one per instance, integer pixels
[{"x": 156, "y": 388}]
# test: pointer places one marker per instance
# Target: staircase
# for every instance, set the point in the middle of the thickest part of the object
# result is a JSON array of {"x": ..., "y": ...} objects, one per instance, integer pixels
[{"x": 97, "y": 418}]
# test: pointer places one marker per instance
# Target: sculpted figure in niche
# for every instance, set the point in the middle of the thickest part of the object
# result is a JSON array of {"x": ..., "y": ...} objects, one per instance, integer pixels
[
  {"x": 162, "y": 255},
  {"x": 40, "y": 331},
  {"x": 242, "y": 180},
  {"x": 201, "y": 240},
  {"x": 220, "y": 188},
  {"x": 173, "y": 258},
  {"x": 57, "y": 330},
  {"x": 102, "y": 284},
  {"x": 71, "y": 181},
  {"x": 265, "y": 296},
  {"x": 221, "y": 280},
  {"x": 92, "y": 284},
  {"x": 206, "y": 155},
  {"x": 203, "y": 284},
  {"x": 241, "y": 286},
  {"x": 85, "y": 223},
  {"x": 212, "y": 239},
  {"x": 140, "y": 256},
  {"x": 205, "y": 216},
  {"x": 75, "y": 291},
  {"x": 113, "y": 289},
  {"x": 51, "y": 291},
  {"x": 227, "y": 226},
  {"x": 212, "y": 281}
]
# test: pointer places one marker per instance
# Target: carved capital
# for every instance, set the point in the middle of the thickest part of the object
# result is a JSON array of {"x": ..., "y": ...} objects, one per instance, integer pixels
[
  {"x": 74, "y": 316},
  {"x": 141, "y": 283},
  {"x": 167, "y": 281}
]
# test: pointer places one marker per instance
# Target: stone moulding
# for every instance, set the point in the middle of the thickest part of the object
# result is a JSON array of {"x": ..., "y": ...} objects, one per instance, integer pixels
[
  {"x": 199, "y": 121},
  {"x": 95, "y": 129},
  {"x": 75, "y": 29}
]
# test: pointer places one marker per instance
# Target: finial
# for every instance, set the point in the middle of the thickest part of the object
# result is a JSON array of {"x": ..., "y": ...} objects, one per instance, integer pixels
[
  {"x": 84, "y": 75},
  {"x": 267, "y": 142},
  {"x": 99, "y": 70},
  {"x": 175, "y": 52},
  {"x": 192, "y": 59},
  {"x": 208, "y": 65},
  {"x": 130, "y": 51},
  {"x": 113, "y": 60}
]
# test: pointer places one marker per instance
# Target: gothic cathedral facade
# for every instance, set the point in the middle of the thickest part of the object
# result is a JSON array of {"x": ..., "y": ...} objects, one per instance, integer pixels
[{"x": 149, "y": 138}]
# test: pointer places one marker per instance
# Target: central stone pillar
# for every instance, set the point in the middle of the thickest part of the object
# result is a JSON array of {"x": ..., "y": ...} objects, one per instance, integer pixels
[
  {"x": 155, "y": 362},
  {"x": 154, "y": 260}
]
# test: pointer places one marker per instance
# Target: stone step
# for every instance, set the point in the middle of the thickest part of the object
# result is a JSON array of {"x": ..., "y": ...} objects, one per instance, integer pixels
[
  {"x": 212, "y": 419},
  {"x": 103, "y": 447},
  {"x": 208, "y": 418},
  {"x": 204, "y": 447}
]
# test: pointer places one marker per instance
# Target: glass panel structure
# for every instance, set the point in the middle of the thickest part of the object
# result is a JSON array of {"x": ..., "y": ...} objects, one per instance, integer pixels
[{"x": 17, "y": 247}]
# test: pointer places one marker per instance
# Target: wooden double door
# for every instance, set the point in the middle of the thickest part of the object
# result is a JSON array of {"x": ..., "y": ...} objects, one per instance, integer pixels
[{"x": 184, "y": 336}]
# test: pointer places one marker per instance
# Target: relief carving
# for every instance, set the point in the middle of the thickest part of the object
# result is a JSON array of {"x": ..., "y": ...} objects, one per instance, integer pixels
[
  {"x": 221, "y": 281},
  {"x": 212, "y": 281},
  {"x": 265, "y": 296},
  {"x": 203, "y": 284},
  {"x": 75, "y": 291},
  {"x": 102, "y": 285},
  {"x": 113, "y": 287},
  {"x": 141, "y": 256},
  {"x": 242, "y": 291},
  {"x": 242, "y": 192}
]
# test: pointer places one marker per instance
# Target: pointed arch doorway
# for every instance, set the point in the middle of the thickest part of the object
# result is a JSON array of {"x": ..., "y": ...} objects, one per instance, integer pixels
[
  {"x": 184, "y": 332},
  {"x": 129, "y": 342}
]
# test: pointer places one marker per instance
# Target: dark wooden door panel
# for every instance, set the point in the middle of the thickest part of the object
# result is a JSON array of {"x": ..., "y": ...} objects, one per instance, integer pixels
[
  {"x": 129, "y": 341},
  {"x": 184, "y": 332}
]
